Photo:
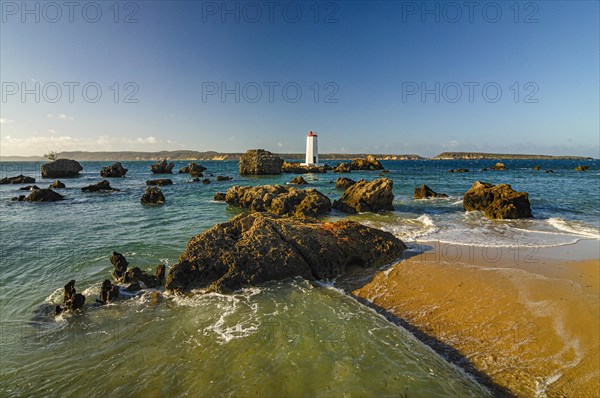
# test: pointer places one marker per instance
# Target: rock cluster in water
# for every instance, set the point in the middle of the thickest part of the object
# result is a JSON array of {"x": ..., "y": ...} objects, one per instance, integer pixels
[
  {"x": 162, "y": 167},
  {"x": 279, "y": 199},
  {"x": 20, "y": 179},
  {"x": 497, "y": 201},
  {"x": 424, "y": 192},
  {"x": 61, "y": 168},
  {"x": 365, "y": 196},
  {"x": 260, "y": 162},
  {"x": 113, "y": 171},
  {"x": 194, "y": 170},
  {"x": 254, "y": 248}
]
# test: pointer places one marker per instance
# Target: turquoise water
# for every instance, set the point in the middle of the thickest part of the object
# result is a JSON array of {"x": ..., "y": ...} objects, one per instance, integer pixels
[{"x": 292, "y": 339}]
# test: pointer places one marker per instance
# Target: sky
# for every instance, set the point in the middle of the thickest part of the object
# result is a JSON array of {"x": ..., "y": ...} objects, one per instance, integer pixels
[{"x": 369, "y": 76}]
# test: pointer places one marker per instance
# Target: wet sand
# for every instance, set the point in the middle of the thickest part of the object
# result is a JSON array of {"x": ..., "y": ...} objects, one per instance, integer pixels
[{"x": 531, "y": 323}]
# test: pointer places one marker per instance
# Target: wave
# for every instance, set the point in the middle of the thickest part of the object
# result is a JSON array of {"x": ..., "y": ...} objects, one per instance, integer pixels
[{"x": 574, "y": 227}]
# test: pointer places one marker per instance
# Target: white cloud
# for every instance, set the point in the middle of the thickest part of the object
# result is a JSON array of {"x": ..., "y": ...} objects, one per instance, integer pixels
[
  {"x": 5, "y": 121},
  {"x": 451, "y": 144},
  {"x": 279, "y": 144},
  {"x": 62, "y": 116},
  {"x": 51, "y": 131}
]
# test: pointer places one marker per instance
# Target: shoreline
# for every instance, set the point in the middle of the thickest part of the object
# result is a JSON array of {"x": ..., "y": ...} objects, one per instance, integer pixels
[{"x": 523, "y": 328}]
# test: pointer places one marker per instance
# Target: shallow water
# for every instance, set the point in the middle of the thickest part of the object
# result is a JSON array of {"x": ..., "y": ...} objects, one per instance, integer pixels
[{"x": 292, "y": 338}]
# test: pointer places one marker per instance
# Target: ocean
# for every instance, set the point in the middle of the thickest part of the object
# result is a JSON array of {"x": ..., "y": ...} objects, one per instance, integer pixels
[{"x": 291, "y": 338}]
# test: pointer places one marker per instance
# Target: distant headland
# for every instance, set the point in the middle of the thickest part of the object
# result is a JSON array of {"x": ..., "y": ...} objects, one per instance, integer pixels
[{"x": 213, "y": 155}]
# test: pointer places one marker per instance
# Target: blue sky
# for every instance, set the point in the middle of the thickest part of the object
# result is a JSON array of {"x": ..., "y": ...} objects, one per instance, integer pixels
[{"x": 361, "y": 68}]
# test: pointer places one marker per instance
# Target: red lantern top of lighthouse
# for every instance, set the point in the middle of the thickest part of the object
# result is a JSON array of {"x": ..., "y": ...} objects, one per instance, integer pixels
[{"x": 311, "y": 134}]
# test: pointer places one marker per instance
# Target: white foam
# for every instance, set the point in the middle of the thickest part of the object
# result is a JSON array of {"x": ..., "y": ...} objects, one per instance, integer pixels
[{"x": 574, "y": 227}]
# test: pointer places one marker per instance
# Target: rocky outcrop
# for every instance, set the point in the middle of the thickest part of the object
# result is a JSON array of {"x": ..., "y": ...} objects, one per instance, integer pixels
[
  {"x": 298, "y": 181},
  {"x": 219, "y": 197},
  {"x": 19, "y": 198},
  {"x": 370, "y": 162},
  {"x": 160, "y": 182},
  {"x": 499, "y": 166},
  {"x": 297, "y": 168},
  {"x": 108, "y": 292},
  {"x": 366, "y": 196},
  {"x": 425, "y": 193},
  {"x": 582, "y": 168},
  {"x": 497, "y": 201},
  {"x": 61, "y": 168},
  {"x": 344, "y": 183},
  {"x": 260, "y": 162},
  {"x": 342, "y": 168},
  {"x": 194, "y": 169},
  {"x": 153, "y": 196},
  {"x": 137, "y": 278},
  {"x": 102, "y": 186},
  {"x": 254, "y": 248},
  {"x": 20, "y": 179},
  {"x": 536, "y": 167},
  {"x": 279, "y": 199},
  {"x": 162, "y": 167},
  {"x": 458, "y": 171},
  {"x": 224, "y": 178},
  {"x": 29, "y": 188},
  {"x": 72, "y": 300},
  {"x": 57, "y": 184},
  {"x": 114, "y": 171},
  {"x": 44, "y": 195}
]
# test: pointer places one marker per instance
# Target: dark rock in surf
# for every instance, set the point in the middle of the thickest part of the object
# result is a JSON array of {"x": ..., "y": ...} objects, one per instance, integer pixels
[
  {"x": 160, "y": 182},
  {"x": 424, "y": 192},
  {"x": 29, "y": 188},
  {"x": 224, "y": 178},
  {"x": 458, "y": 171},
  {"x": 298, "y": 181},
  {"x": 344, "y": 183},
  {"x": 20, "y": 179},
  {"x": 102, "y": 186},
  {"x": 114, "y": 171},
  {"x": 108, "y": 292},
  {"x": 343, "y": 168},
  {"x": 162, "y": 167},
  {"x": 57, "y": 184},
  {"x": 219, "y": 197},
  {"x": 61, "y": 168},
  {"x": 44, "y": 195},
  {"x": 194, "y": 169},
  {"x": 153, "y": 195},
  {"x": 364, "y": 196},
  {"x": 72, "y": 300},
  {"x": 497, "y": 201}
]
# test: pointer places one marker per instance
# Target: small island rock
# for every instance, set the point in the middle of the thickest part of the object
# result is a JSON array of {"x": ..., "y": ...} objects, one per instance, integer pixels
[
  {"x": 115, "y": 170},
  {"x": 497, "y": 201},
  {"x": 153, "y": 195},
  {"x": 61, "y": 168},
  {"x": 260, "y": 162}
]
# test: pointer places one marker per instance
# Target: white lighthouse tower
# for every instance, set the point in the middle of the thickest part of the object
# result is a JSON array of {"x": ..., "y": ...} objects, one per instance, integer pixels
[{"x": 312, "y": 150}]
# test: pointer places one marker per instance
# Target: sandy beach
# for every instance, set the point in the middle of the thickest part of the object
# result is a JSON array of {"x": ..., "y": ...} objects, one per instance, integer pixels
[{"x": 528, "y": 319}]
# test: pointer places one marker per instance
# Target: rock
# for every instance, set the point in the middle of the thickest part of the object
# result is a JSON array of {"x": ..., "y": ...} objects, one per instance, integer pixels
[
  {"x": 120, "y": 263},
  {"x": 196, "y": 180},
  {"x": 297, "y": 168},
  {"x": 61, "y": 168},
  {"x": 72, "y": 300},
  {"x": 499, "y": 166},
  {"x": 108, "y": 292},
  {"x": 459, "y": 171},
  {"x": 497, "y": 201},
  {"x": 29, "y": 188},
  {"x": 44, "y": 195},
  {"x": 365, "y": 196},
  {"x": 160, "y": 273},
  {"x": 344, "y": 183},
  {"x": 102, "y": 186},
  {"x": 57, "y": 184},
  {"x": 160, "y": 182},
  {"x": 484, "y": 169},
  {"x": 342, "y": 168},
  {"x": 206, "y": 181},
  {"x": 549, "y": 171},
  {"x": 383, "y": 173},
  {"x": 194, "y": 169},
  {"x": 536, "y": 167},
  {"x": 224, "y": 178},
  {"x": 582, "y": 168},
  {"x": 425, "y": 192},
  {"x": 370, "y": 162},
  {"x": 161, "y": 167},
  {"x": 253, "y": 248},
  {"x": 219, "y": 197},
  {"x": 153, "y": 195},
  {"x": 260, "y": 162},
  {"x": 145, "y": 280},
  {"x": 279, "y": 199},
  {"x": 116, "y": 170},
  {"x": 20, "y": 179},
  {"x": 298, "y": 181},
  {"x": 19, "y": 198}
]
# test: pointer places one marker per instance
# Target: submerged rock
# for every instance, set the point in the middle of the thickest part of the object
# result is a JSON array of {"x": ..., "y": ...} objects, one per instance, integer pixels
[
  {"x": 370, "y": 162},
  {"x": 224, "y": 178},
  {"x": 116, "y": 170},
  {"x": 582, "y": 168},
  {"x": 61, "y": 168},
  {"x": 297, "y": 168},
  {"x": 194, "y": 169},
  {"x": 342, "y": 168},
  {"x": 102, "y": 186},
  {"x": 206, "y": 181},
  {"x": 108, "y": 292},
  {"x": 536, "y": 168},
  {"x": 497, "y": 201},
  {"x": 120, "y": 263},
  {"x": 19, "y": 198},
  {"x": 135, "y": 275},
  {"x": 160, "y": 182},
  {"x": 72, "y": 300},
  {"x": 279, "y": 199},
  {"x": 298, "y": 181},
  {"x": 219, "y": 197},
  {"x": 365, "y": 196},
  {"x": 549, "y": 171},
  {"x": 44, "y": 195},
  {"x": 20, "y": 179},
  {"x": 29, "y": 188},
  {"x": 260, "y": 162},
  {"x": 425, "y": 192},
  {"x": 344, "y": 183},
  {"x": 162, "y": 167},
  {"x": 153, "y": 195},
  {"x": 499, "y": 166},
  {"x": 57, "y": 184},
  {"x": 459, "y": 171},
  {"x": 254, "y": 248}
]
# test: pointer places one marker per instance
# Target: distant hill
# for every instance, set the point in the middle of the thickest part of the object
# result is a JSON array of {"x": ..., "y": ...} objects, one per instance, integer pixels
[
  {"x": 190, "y": 155},
  {"x": 481, "y": 155}
]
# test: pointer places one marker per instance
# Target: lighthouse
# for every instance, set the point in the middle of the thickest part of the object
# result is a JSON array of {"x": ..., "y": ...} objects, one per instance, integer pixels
[{"x": 312, "y": 150}]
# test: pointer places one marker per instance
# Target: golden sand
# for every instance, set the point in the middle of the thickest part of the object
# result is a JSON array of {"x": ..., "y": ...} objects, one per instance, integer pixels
[{"x": 532, "y": 327}]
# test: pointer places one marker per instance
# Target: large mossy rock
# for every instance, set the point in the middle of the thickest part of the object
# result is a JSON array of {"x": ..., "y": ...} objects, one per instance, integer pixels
[
  {"x": 279, "y": 199},
  {"x": 365, "y": 196},
  {"x": 260, "y": 162},
  {"x": 254, "y": 248},
  {"x": 497, "y": 201},
  {"x": 61, "y": 168}
]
